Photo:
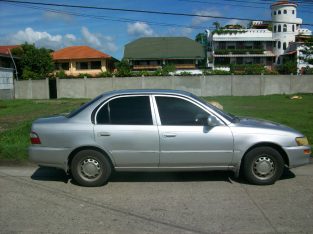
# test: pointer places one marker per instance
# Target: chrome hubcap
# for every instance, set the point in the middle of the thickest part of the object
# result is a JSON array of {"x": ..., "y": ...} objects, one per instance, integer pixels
[
  {"x": 90, "y": 168},
  {"x": 263, "y": 167}
]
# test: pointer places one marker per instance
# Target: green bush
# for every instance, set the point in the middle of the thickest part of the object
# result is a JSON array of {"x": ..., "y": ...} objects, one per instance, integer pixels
[
  {"x": 29, "y": 74},
  {"x": 83, "y": 75},
  {"x": 185, "y": 73},
  {"x": 288, "y": 67},
  {"x": 247, "y": 69},
  {"x": 61, "y": 74},
  {"x": 104, "y": 74},
  {"x": 308, "y": 71},
  {"x": 216, "y": 72}
]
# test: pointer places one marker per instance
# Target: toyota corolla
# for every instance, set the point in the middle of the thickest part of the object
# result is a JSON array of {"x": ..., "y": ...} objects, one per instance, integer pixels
[{"x": 163, "y": 130}]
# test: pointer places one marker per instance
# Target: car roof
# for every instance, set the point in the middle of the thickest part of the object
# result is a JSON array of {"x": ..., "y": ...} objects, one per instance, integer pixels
[{"x": 146, "y": 91}]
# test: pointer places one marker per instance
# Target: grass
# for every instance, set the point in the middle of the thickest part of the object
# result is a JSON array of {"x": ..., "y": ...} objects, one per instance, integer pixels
[{"x": 16, "y": 116}]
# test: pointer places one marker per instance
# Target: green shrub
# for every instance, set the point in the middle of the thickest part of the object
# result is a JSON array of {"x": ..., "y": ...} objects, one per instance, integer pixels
[
  {"x": 83, "y": 75},
  {"x": 185, "y": 73},
  {"x": 247, "y": 69},
  {"x": 104, "y": 74},
  {"x": 216, "y": 72},
  {"x": 288, "y": 67},
  {"x": 308, "y": 71},
  {"x": 29, "y": 74},
  {"x": 61, "y": 74}
]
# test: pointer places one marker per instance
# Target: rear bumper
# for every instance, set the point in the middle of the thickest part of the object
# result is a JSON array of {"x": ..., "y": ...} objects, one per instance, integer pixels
[
  {"x": 50, "y": 157},
  {"x": 297, "y": 157}
]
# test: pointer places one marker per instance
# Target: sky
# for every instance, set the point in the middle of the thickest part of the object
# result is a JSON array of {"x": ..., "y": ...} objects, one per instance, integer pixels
[{"x": 109, "y": 31}]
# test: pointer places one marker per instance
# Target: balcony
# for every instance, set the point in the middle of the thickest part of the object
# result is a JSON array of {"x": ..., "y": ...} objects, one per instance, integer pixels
[
  {"x": 146, "y": 67},
  {"x": 238, "y": 51}
]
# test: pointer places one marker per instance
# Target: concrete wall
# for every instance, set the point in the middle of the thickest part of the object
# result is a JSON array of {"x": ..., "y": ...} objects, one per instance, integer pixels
[
  {"x": 32, "y": 89},
  {"x": 199, "y": 85}
]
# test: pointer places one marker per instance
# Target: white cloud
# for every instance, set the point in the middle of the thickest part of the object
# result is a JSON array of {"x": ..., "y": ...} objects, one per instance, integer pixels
[
  {"x": 200, "y": 20},
  {"x": 140, "y": 29},
  {"x": 31, "y": 36},
  {"x": 98, "y": 40},
  {"x": 45, "y": 39},
  {"x": 235, "y": 21},
  {"x": 70, "y": 37}
]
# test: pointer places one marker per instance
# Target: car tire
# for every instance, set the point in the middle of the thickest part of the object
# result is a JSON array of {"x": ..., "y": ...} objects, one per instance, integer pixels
[
  {"x": 90, "y": 168},
  {"x": 263, "y": 166}
]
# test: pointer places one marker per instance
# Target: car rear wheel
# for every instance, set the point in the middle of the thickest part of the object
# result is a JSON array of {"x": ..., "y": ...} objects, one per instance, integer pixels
[
  {"x": 90, "y": 168},
  {"x": 263, "y": 166}
]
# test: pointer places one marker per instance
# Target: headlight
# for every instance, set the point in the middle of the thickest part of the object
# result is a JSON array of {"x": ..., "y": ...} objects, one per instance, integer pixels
[{"x": 302, "y": 141}]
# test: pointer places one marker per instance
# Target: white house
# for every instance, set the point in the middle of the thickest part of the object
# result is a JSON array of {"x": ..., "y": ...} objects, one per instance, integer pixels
[{"x": 258, "y": 45}]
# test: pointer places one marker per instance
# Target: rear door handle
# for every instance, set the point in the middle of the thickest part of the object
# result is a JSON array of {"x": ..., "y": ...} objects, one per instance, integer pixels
[
  {"x": 169, "y": 135},
  {"x": 104, "y": 134}
]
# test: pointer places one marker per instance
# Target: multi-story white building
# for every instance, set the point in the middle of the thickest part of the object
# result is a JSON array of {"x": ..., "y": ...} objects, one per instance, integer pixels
[{"x": 257, "y": 45}]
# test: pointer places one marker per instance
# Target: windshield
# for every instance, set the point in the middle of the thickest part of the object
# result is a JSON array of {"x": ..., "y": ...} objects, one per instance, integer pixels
[{"x": 230, "y": 117}]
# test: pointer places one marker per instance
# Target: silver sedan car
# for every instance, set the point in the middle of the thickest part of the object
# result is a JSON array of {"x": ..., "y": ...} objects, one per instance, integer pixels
[{"x": 163, "y": 130}]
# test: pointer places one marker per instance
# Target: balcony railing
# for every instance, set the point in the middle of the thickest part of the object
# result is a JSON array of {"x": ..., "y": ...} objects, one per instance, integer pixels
[
  {"x": 146, "y": 67},
  {"x": 239, "y": 51}
]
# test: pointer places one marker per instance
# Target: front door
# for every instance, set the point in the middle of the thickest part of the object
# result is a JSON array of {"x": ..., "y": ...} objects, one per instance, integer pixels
[
  {"x": 185, "y": 140},
  {"x": 125, "y": 127}
]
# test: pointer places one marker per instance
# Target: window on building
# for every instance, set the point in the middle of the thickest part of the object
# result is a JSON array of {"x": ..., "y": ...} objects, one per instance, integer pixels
[
  {"x": 257, "y": 60},
  {"x": 293, "y": 12},
  {"x": 257, "y": 45},
  {"x": 279, "y": 12},
  {"x": 285, "y": 28},
  {"x": 126, "y": 111},
  {"x": 56, "y": 66},
  {"x": 275, "y": 28},
  {"x": 279, "y": 28},
  {"x": 82, "y": 65},
  {"x": 284, "y": 46},
  {"x": 285, "y": 11},
  {"x": 274, "y": 12},
  {"x": 279, "y": 45},
  {"x": 274, "y": 44},
  {"x": 65, "y": 66},
  {"x": 293, "y": 27},
  {"x": 95, "y": 64}
]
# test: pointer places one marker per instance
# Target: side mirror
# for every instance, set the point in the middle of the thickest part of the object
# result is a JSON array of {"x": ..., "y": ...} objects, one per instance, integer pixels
[{"x": 213, "y": 121}]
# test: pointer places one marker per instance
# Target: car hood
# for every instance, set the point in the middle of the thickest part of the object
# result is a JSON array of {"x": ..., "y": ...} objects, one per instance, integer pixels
[{"x": 263, "y": 124}]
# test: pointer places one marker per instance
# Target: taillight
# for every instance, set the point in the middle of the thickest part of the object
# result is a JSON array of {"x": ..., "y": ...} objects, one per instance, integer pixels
[{"x": 34, "y": 138}]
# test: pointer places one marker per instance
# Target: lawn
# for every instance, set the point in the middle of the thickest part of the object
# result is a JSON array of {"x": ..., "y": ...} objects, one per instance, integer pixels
[{"x": 16, "y": 116}]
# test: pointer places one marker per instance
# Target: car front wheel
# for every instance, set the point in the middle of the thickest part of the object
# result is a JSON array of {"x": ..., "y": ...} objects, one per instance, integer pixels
[
  {"x": 90, "y": 168},
  {"x": 263, "y": 166}
]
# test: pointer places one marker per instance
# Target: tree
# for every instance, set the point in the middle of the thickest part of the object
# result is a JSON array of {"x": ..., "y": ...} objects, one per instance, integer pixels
[
  {"x": 123, "y": 68},
  {"x": 201, "y": 38},
  {"x": 289, "y": 66},
  {"x": 307, "y": 51},
  {"x": 217, "y": 25},
  {"x": 35, "y": 63}
]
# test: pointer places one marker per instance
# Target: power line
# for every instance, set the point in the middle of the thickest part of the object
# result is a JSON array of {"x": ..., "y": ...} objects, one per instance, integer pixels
[
  {"x": 116, "y": 19},
  {"x": 237, "y": 4},
  {"x": 143, "y": 11}
]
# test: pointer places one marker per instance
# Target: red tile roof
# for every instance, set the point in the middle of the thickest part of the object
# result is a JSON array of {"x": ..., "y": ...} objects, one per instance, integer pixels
[
  {"x": 5, "y": 49},
  {"x": 78, "y": 52}
]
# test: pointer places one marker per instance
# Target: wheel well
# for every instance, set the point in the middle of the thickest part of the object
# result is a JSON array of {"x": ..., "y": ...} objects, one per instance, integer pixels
[
  {"x": 74, "y": 152},
  {"x": 272, "y": 145}
]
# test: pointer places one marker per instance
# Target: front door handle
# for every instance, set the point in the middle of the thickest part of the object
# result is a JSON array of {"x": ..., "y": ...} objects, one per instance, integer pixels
[
  {"x": 104, "y": 134},
  {"x": 169, "y": 135}
]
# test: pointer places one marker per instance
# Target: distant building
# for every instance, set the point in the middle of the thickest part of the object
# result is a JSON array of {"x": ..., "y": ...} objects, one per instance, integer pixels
[
  {"x": 75, "y": 60},
  {"x": 152, "y": 53},
  {"x": 6, "y": 56},
  {"x": 258, "y": 45}
]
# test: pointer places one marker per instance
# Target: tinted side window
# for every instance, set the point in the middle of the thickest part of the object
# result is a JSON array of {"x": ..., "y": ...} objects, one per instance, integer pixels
[
  {"x": 126, "y": 111},
  {"x": 176, "y": 111}
]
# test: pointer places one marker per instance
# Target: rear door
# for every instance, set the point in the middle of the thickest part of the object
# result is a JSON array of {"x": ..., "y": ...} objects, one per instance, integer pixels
[{"x": 125, "y": 126}]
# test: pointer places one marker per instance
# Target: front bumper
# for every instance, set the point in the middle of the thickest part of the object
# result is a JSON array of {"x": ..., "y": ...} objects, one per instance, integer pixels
[
  {"x": 50, "y": 157},
  {"x": 297, "y": 157}
]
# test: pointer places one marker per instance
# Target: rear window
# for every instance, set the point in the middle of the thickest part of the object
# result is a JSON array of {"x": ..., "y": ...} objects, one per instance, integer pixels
[{"x": 82, "y": 107}]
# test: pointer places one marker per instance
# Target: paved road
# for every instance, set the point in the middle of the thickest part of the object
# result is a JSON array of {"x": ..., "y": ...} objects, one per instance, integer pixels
[{"x": 44, "y": 200}]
